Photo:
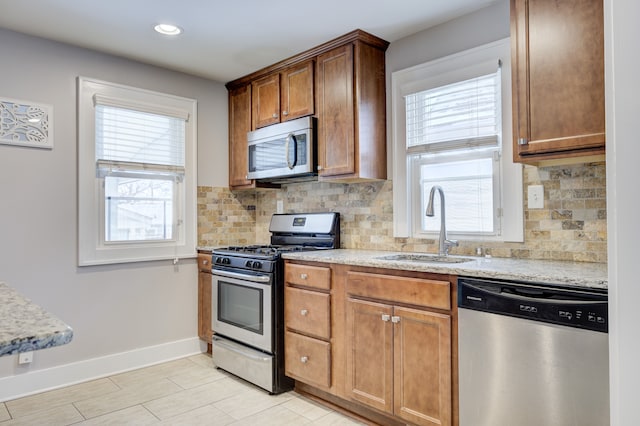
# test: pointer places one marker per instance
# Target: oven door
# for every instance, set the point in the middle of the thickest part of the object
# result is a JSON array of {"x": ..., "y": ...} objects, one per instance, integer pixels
[{"x": 242, "y": 308}]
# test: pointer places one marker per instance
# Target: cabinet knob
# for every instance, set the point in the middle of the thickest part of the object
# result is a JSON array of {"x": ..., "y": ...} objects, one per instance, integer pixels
[
  {"x": 395, "y": 319},
  {"x": 303, "y": 276},
  {"x": 285, "y": 112},
  {"x": 274, "y": 115},
  {"x": 205, "y": 262},
  {"x": 319, "y": 167},
  {"x": 304, "y": 359},
  {"x": 523, "y": 141},
  {"x": 304, "y": 312},
  {"x": 386, "y": 317}
]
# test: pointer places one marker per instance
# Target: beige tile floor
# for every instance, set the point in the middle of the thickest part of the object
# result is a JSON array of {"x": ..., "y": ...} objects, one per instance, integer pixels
[{"x": 187, "y": 391}]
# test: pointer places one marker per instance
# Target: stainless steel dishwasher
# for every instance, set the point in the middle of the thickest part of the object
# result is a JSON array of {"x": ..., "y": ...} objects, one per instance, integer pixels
[{"x": 532, "y": 354}]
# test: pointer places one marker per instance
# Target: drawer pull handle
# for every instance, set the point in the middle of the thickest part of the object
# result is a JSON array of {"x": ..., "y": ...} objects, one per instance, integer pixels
[
  {"x": 304, "y": 359},
  {"x": 304, "y": 312},
  {"x": 205, "y": 262},
  {"x": 303, "y": 276},
  {"x": 386, "y": 317},
  {"x": 395, "y": 319}
]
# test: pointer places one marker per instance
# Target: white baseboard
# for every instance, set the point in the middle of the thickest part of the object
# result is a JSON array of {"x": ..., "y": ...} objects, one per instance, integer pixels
[{"x": 17, "y": 386}]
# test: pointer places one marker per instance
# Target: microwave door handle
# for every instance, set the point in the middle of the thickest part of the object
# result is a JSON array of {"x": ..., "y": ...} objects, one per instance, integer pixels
[{"x": 291, "y": 137}]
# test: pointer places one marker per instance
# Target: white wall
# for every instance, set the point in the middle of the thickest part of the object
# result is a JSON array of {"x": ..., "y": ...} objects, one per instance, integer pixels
[
  {"x": 622, "y": 68},
  {"x": 472, "y": 30},
  {"x": 112, "y": 309}
]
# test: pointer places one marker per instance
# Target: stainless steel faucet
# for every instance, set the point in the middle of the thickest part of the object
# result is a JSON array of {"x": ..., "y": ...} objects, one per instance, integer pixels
[{"x": 444, "y": 244}]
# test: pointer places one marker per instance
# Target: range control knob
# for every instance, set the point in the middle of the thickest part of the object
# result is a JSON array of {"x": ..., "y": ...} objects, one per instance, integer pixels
[
  {"x": 248, "y": 264},
  {"x": 226, "y": 260},
  {"x": 257, "y": 265}
]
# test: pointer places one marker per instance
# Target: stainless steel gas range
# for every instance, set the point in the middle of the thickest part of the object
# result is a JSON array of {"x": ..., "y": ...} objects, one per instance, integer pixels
[{"x": 248, "y": 297}]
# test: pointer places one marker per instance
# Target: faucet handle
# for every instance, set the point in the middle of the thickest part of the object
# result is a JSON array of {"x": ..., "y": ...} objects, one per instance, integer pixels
[{"x": 450, "y": 243}]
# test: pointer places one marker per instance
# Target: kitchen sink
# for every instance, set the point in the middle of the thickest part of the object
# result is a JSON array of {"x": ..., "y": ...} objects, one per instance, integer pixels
[{"x": 427, "y": 258}]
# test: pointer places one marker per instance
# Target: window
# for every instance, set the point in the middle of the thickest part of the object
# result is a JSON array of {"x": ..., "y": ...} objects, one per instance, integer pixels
[
  {"x": 449, "y": 124},
  {"x": 137, "y": 173}
]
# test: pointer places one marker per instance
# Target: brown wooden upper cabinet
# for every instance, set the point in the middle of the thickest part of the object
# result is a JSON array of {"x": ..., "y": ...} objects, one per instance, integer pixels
[
  {"x": 283, "y": 96},
  {"x": 557, "y": 61},
  {"x": 350, "y": 88},
  {"x": 342, "y": 83},
  {"x": 239, "y": 126}
]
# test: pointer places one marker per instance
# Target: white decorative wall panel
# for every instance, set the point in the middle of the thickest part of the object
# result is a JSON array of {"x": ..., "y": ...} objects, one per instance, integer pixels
[{"x": 26, "y": 123}]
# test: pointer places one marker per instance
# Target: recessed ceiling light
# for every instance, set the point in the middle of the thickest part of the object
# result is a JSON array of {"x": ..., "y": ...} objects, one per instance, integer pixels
[{"x": 168, "y": 29}]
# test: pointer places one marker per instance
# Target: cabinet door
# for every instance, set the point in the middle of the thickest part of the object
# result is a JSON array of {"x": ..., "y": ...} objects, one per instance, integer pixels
[
  {"x": 239, "y": 125},
  {"x": 422, "y": 366},
  {"x": 204, "y": 306},
  {"x": 296, "y": 91},
  {"x": 266, "y": 101},
  {"x": 336, "y": 145},
  {"x": 369, "y": 342},
  {"x": 558, "y": 78}
]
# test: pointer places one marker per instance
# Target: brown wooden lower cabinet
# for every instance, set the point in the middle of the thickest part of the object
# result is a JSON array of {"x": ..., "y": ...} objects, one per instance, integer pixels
[
  {"x": 391, "y": 356},
  {"x": 399, "y": 361},
  {"x": 205, "y": 280}
]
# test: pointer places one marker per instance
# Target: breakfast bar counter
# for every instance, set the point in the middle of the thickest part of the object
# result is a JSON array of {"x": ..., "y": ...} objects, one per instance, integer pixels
[{"x": 25, "y": 326}]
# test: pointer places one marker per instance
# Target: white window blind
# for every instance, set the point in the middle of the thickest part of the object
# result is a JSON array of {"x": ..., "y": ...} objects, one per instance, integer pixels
[
  {"x": 139, "y": 140},
  {"x": 458, "y": 115}
]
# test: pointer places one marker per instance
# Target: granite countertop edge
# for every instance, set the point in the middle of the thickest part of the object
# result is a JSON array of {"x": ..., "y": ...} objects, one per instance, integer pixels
[
  {"x": 27, "y": 326},
  {"x": 578, "y": 274}
]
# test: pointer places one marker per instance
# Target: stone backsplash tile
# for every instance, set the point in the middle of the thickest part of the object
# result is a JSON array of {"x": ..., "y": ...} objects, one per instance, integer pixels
[
  {"x": 571, "y": 226},
  {"x": 225, "y": 218}
]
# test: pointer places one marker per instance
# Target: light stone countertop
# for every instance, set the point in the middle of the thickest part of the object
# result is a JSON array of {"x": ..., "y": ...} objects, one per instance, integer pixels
[
  {"x": 579, "y": 274},
  {"x": 25, "y": 326}
]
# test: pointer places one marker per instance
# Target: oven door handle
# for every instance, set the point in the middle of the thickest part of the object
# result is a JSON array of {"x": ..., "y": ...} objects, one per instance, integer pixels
[{"x": 240, "y": 276}]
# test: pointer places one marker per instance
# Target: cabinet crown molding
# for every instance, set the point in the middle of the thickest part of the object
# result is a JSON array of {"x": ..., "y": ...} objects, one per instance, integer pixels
[{"x": 352, "y": 37}]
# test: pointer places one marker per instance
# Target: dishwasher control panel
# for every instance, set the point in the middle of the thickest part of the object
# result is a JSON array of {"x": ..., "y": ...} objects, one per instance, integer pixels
[{"x": 573, "y": 307}]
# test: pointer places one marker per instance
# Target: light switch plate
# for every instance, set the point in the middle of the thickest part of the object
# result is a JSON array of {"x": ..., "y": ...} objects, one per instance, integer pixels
[
  {"x": 279, "y": 206},
  {"x": 536, "y": 196}
]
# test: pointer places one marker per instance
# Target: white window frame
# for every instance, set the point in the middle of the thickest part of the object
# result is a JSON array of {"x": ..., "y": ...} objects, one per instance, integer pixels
[
  {"x": 450, "y": 69},
  {"x": 92, "y": 248}
]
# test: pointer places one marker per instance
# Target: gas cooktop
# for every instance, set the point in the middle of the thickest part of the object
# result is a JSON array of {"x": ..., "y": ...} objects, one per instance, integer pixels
[
  {"x": 293, "y": 232},
  {"x": 261, "y": 250}
]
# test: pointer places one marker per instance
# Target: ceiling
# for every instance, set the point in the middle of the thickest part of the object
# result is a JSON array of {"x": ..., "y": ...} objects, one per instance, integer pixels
[{"x": 222, "y": 40}]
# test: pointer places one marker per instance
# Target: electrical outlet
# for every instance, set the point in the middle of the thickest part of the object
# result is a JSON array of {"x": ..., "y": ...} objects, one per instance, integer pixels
[
  {"x": 279, "y": 206},
  {"x": 25, "y": 357},
  {"x": 536, "y": 196}
]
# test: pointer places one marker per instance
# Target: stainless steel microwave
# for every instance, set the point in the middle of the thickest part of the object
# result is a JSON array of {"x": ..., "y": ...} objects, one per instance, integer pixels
[{"x": 283, "y": 151}]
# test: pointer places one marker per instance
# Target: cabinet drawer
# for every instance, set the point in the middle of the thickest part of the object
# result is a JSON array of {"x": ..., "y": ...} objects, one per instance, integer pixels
[
  {"x": 308, "y": 276},
  {"x": 204, "y": 262},
  {"x": 308, "y": 312},
  {"x": 412, "y": 291},
  {"x": 307, "y": 359}
]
